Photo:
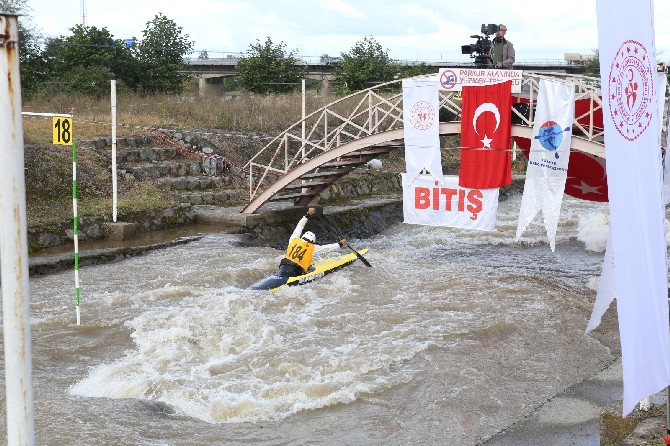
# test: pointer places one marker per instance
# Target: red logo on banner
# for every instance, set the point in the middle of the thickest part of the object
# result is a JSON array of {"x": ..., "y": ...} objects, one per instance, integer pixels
[
  {"x": 631, "y": 90},
  {"x": 422, "y": 115}
]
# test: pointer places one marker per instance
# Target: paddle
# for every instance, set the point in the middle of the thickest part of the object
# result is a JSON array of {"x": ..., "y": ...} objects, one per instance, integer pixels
[{"x": 358, "y": 254}]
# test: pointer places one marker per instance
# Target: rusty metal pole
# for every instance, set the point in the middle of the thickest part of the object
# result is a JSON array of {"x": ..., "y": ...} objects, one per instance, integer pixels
[{"x": 14, "y": 244}]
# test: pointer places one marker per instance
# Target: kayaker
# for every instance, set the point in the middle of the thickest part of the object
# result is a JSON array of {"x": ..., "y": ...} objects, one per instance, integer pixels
[{"x": 298, "y": 257}]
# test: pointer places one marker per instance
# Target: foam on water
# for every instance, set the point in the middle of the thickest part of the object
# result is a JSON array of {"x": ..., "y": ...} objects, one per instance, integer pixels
[
  {"x": 449, "y": 326},
  {"x": 228, "y": 355}
]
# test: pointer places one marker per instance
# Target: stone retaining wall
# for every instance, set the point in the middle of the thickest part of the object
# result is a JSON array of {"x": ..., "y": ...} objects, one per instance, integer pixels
[
  {"x": 358, "y": 220},
  {"x": 97, "y": 227},
  {"x": 361, "y": 185}
]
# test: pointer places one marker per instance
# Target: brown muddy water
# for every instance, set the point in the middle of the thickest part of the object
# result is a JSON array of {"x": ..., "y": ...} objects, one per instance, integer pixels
[{"x": 450, "y": 337}]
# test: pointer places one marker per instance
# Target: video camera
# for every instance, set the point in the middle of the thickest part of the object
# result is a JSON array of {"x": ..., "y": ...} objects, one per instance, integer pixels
[{"x": 481, "y": 50}]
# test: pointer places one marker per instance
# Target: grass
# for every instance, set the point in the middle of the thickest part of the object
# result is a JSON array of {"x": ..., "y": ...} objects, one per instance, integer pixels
[
  {"x": 244, "y": 113},
  {"x": 615, "y": 428},
  {"x": 140, "y": 196},
  {"x": 49, "y": 167}
]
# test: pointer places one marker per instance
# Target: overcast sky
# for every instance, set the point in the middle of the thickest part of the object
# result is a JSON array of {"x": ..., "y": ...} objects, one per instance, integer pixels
[{"x": 430, "y": 30}]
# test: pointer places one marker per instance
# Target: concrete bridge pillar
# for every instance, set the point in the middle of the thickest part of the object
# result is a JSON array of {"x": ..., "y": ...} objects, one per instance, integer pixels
[
  {"x": 327, "y": 86},
  {"x": 211, "y": 86}
]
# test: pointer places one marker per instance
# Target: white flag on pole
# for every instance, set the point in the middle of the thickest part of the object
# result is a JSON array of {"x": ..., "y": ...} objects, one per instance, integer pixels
[
  {"x": 605, "y": 294},
  {"x": 634, "y": 179},
  {"x": 662, "y": 87},
  {"x": 549, "y": 155},
  {"x": 421, "y": 105}
]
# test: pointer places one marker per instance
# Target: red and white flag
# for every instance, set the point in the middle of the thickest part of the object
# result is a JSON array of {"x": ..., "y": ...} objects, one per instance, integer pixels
[
  {"x": 421, "y": 120},
  {"x": 486, "y": 135},
  {"x": 549, "y": 157},
  {"x": 634, "y": 179},
  {"x": 605, "y": 294}
]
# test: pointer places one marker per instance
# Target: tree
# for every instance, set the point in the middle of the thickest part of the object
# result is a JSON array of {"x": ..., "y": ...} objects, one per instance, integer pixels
[
  {"x": 268, "y": 68},
  {"x": 415, "y": 70},
  {"x": 365, "y": 65},
  {"x": 592, "y": 65},
  {"x": 88, "y": 59},
  {"x": 33, "y": 70},
  {"x": 161, "y": 55}
]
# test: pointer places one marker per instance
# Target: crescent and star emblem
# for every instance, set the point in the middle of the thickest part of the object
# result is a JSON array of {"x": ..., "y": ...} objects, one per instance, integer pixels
[{"x": 486, "y": 107}]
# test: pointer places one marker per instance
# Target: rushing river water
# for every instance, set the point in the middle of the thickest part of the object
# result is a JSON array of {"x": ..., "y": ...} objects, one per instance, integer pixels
[{"x": 451, "y": 336}]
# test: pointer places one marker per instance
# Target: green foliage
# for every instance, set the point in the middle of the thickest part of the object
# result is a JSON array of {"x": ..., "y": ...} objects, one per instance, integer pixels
[
  {"x": 161, "y": 55},
  {"x": 365, "y": 65},
  {"x": 592, "y": 65},
  {"x": 268, "y": 68},
  {"x": 32, "y": 66},
  {"x": 416, "y": 70},
  {"x": 87, "y": 60}
]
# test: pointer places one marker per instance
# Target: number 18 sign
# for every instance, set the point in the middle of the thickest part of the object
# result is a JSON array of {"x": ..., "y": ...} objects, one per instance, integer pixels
[{"x": 62, "y": 130}]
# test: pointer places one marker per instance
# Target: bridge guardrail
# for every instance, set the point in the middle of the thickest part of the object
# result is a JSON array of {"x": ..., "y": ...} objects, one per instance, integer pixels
[{"x": 379, "y": 109}]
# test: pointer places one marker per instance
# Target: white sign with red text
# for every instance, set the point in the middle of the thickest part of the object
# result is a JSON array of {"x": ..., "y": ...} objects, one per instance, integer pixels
[
  {"x": 453, "y": 79},
  {"x": 444, "y": 203}
]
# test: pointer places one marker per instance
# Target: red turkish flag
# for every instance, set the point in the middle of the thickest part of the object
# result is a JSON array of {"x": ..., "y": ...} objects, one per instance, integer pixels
[{"x": 486, "y": 134}]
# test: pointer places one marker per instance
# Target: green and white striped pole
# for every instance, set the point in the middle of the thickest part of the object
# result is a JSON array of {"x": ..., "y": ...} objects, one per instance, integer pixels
[
  {"x": 76, "y": 231},
  {"x": 63, "y": 134}
]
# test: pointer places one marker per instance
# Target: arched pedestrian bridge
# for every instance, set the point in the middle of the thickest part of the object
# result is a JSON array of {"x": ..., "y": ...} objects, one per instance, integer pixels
[{"x": 313, "y": 153}]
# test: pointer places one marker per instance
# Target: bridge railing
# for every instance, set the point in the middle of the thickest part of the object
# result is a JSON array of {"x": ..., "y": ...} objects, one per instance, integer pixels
[{"x": 379, "y": 109}]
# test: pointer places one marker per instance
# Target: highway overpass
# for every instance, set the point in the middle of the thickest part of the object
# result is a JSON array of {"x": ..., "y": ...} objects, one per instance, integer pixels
[{"x": 212, "y": 72}]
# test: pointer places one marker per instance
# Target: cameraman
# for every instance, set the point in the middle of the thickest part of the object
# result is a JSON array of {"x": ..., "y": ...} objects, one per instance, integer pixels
[{"x": 502, "y": 50}]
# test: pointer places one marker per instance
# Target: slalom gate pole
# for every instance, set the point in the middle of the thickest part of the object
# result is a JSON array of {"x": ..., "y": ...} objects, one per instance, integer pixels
[
  {"x": 115, "y": 188},
  {"x": 75, "y": 231},
  {"x": 63, "y": 134}
]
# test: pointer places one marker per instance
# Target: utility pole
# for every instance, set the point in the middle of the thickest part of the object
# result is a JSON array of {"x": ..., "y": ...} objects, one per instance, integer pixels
[{"x": 83, "y": 13}]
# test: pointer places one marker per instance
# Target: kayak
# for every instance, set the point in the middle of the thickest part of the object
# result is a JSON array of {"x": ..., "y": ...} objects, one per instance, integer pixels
[{"x": 318, "y": 269}]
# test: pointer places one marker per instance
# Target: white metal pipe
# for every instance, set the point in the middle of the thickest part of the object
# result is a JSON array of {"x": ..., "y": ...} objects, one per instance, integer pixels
[
  {"x": 13, "y": 244},
  {"x": 303, "y": 120},
  {"x": 303, "y": 126},
  {"x": 114, "y": 179}
]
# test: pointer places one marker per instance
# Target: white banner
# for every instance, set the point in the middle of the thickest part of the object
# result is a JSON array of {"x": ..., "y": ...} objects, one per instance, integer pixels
[
  {"x": 662, "y": 88},
  {"x": 453, "y": 79},
  {"x": 549, "y": 155},
  {"x": 427, "y": 201},
  {"x": 605, "y": 294},
  {"x": 634, "y": 179},
  {"x": 420, "y": 106}
]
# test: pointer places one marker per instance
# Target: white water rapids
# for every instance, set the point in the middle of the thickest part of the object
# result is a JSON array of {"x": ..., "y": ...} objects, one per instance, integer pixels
[{"x": 451, "y": 336}]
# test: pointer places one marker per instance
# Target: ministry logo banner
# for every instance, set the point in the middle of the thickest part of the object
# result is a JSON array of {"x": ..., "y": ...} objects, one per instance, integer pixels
[
  {"x": 421, "y": 122},
  {"x": 432, "y": 202},
  {"x": 634, "y": 179},
  {"x": 549, "y": 156}
]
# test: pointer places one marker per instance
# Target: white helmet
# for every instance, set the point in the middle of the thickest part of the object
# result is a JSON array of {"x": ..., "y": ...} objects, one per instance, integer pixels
[{"x": 309, "y": 236}]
